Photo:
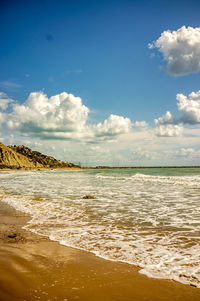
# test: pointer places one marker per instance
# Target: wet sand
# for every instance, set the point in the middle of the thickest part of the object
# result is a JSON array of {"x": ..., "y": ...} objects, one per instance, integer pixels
[{"x": 34, "y": 268}]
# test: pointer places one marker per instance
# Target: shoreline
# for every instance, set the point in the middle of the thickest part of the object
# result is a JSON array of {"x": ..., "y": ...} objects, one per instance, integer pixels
[
  {"x": 36, "y": 168},
  {"x": 94, "y": 167},
  {"x": 36, "y": 268}
]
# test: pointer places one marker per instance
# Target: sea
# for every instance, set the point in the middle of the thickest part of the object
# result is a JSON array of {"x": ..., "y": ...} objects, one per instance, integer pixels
[{"x": 147, "y": 217}]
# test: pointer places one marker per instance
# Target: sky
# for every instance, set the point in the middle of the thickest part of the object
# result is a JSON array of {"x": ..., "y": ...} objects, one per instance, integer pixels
[{"x": 102, "y": 82}]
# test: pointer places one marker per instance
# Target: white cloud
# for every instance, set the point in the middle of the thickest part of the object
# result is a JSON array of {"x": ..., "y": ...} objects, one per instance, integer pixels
[
  {"x": 137, "y": 148},
  {"x": 185, "y": 152},
  {"x": 140, "y": 124},
  {"x": 167, "y": 118},
  {"x": 2, "y": 119},
  {"x": 181, "y": 50},
  {"x": 169, "y": 130},
  {"x": 39, "y": 115},
  {"x": 167, "y": 156},
  {"x": 114, "y": 125},
  {"x": 63, "y": 117},
  {"x": 4, "y": 101},
  {"x": 189, "y": 107},
  {"x": 144, "y": 154}
]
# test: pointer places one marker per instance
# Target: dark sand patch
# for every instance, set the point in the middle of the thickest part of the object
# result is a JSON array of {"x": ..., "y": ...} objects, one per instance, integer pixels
[{"x": 34, "y": 268}]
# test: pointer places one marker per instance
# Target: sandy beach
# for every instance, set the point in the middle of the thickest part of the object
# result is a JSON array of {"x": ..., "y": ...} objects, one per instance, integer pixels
[{"x": 35, "y": 268}]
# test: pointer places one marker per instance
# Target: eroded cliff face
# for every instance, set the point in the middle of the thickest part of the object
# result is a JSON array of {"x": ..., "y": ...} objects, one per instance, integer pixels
[
  {"x": 11, "y": 159},
  {"x": 23, "y": 157}
]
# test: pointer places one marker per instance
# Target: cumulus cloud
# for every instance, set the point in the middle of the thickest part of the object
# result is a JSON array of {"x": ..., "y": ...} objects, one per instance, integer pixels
[
  {"x": 140, "y": 124},
  {"x": 167, "y": 118},
  {"x": 181, "y": 50},
  {"x": 5, "y": 101},
  {"x": 63, "y": 117},
  {"x": 114, "y": 125},
  {"x": 189, "y": 107},
  {"x": 169, "y": 130},
  {"x": 39, "y": 114}
]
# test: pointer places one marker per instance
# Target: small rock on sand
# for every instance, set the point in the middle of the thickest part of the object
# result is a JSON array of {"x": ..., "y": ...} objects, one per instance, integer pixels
[{"x": 88, "y": 197}]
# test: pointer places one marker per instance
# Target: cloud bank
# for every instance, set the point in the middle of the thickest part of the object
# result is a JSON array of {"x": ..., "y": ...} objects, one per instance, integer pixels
[
  {"x": 63, "y": 117},
  {"x": 181, "y": 50}
]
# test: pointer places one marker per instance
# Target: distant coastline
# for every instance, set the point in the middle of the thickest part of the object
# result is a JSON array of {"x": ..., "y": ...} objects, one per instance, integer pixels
[
  {"x": 136, "y": 167},
  {"x": 76, "y": 167}
]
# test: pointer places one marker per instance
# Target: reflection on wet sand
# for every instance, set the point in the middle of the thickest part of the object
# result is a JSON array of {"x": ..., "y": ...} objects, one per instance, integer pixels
[{"x": 34, "y": 268}]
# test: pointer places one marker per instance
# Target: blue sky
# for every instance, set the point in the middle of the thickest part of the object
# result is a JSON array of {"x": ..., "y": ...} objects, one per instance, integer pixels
[{"x": 98, "y": 51}]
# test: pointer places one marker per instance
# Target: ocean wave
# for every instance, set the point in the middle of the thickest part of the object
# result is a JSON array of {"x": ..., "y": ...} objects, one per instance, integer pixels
[
  {"x": 174, "y": 180},
  {"x": 150, "y": 221}
]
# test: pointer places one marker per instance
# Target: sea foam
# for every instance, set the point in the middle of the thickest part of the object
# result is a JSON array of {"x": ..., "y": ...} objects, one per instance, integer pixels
[{"x": 152, "y": 221}]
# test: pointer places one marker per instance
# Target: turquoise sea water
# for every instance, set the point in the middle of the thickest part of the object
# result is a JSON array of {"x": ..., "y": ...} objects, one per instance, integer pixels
[{"x": 147, "y": 217}]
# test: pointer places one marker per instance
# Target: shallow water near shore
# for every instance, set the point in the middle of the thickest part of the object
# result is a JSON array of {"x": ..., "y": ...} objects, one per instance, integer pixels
[{"x": 146, "y": 217}]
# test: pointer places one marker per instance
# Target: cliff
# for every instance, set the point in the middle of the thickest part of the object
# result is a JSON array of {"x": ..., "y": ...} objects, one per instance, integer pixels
[{"x": 16, "y": 157}]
